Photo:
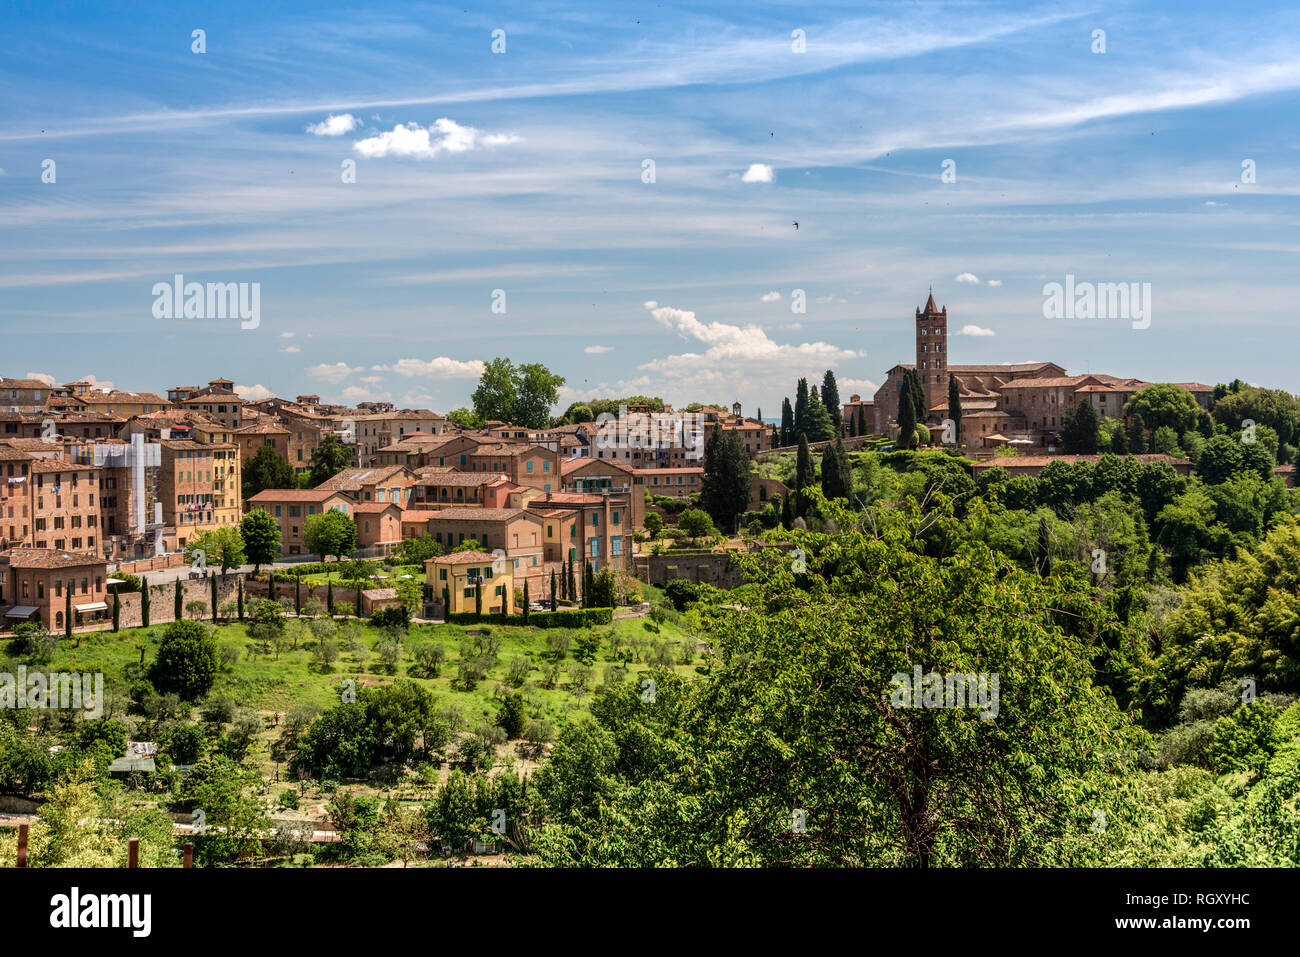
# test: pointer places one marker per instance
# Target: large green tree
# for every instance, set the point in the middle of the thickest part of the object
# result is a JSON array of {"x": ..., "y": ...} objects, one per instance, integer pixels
[
  {"x": 222, "y": 547},
  {"x": 330, "y": 533},
  {"x": 1079, "y": 429},
  {"x": 1164, "y": 404},
  {"x": 329, "y": 458},
  {"x": 187, "y": 661},
  {"x": 1276, "y": 408},
  {"x": 261, "y": 535},
  {"x": 521, "y": 395},
  {"x": 808, "y": 745},
  {"x": 267, "y": 469}
]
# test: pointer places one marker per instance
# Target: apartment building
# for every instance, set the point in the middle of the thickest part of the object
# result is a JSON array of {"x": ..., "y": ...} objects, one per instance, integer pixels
[
  {"x": 516, "y": 531},
  {"x": 674, "y": 483},
  {"x": 439, "y": 487},
  {"x": 263, "y": 431},
  {"x": 217, "y": 402},
  {"x": 23, "y": 395},
  {"x": 387, "y": 484},
  {"x": 530, "y": 465},
  {"x": 602, "y": 532},
  {"x": 122, "y": 404},
  {"x": 15, "y": 497},
  {"x": 64, "y": 505},
  {"x": 37, "y": 583},
  {"x": 292, "y": 507},
  {"x": 462, "y": 574},
  {"x": 199, "y": 487},
  {"x": 378, "y": 523}
]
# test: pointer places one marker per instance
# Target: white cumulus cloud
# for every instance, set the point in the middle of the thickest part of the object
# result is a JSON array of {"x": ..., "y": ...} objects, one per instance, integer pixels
[
  {"x": 995, "y": 282},
  {"x": 734, "y": 356},
  {"x": 440, "y": 368},
  {"x": 597, "y": 350},
  {"x": 41, "y": 377},
  {"x": 757, "y": 173},
  {"x": 253, "y": 393},
  {"x": 772, "y": 296},
  {"x": 972, "y": 330},
  {"x": 334, "y": 125},
  {"x": 967, "y": 277},
  {"x": 333, "y": 373},
  {"x": 443, "y": 136}
]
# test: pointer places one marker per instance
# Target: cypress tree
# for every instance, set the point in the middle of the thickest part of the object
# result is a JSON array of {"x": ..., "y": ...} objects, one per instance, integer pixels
[
  {"x": 525, "y": 603},
  {"x": 144, "y": 601},
  {"x": 329, "y": 595},
  {"x": 177, "y": 608},
  {"x": 573, "y": 589},
  {"x": 478, "y": 597},
  {"x": 853, "y": 425},
  {"x": 906, "y": 416},
  {"x": 954, "y": 408},
  {"x": 804, "y": 476},
  {"x": 787, "y": 513},
  {"x": 837, "y": 479},
  {"x": 446, "y": 603},
  {"x": 831, "y": 399},
  {"x": 117, "y": 610},
  {"x": 830, "y": 474},
  {"x": 297, "y": 595},
  {"x": 787, "y": 423},
  {"x": 918, "y": 395},
  {"x": 800, "y": 407},
  {"x": 1137, "y": 435},
  {"x": 554, "y": 604},
  {"x": 818, "y": 425},
  {"x": 239, "y": 597}
]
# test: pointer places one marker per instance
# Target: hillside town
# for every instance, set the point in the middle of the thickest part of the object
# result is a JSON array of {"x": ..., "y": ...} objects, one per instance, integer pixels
[{"x": 99, "y": 481}]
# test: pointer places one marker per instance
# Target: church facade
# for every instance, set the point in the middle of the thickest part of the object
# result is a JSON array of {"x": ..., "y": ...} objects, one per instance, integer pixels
[{"x": 1023, "y": 402}]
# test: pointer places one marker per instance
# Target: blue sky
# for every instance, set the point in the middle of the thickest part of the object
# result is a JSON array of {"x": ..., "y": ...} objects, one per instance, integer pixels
[{"x": 523, "y": 171}]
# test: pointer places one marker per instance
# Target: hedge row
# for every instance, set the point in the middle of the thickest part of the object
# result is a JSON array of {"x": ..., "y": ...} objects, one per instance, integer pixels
[{"x": 566, "y": 618}]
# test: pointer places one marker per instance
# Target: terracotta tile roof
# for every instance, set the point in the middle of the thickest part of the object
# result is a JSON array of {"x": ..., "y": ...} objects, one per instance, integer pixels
[
  {"x": 568, "y": 498},
  {"x": 61, "y": 465},
  {"x": 572, "y": 465},
  {"x": 353, "y": 479},
  {"x": 453, "y": 478},
  {"x": 463, "y": 558},
  {"x": 370, "y": 507},
  {"x": 476, "y": 514},
  {"x": 49, "y": 558},
  {"x": 295, "y": 495}
]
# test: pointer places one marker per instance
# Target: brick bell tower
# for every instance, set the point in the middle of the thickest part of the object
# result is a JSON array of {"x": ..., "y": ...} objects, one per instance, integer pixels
[{"x": 932, "y": 352}]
